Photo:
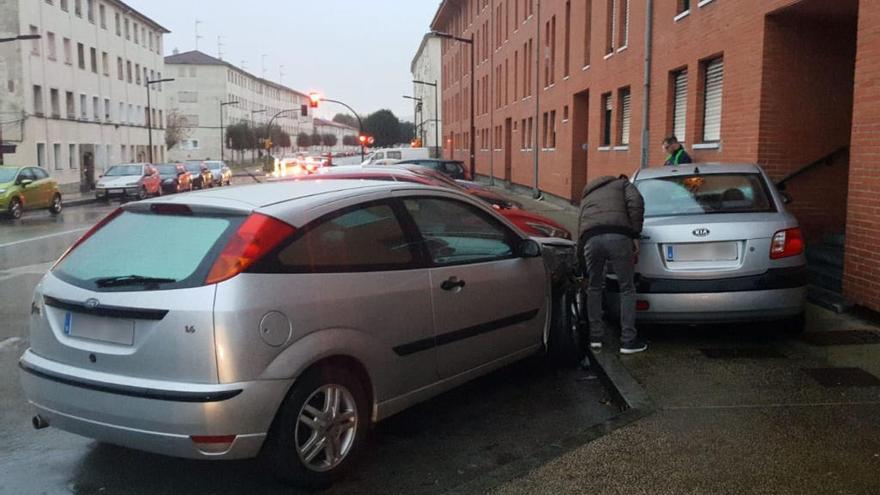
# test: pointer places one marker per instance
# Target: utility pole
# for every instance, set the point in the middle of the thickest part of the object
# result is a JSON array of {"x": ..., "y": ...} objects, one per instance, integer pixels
[
  {"x": 222, "y": 136},
  {"x": 220, "y": 47}
]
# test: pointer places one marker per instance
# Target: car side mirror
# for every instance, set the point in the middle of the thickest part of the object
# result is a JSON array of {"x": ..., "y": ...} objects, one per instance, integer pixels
[
  {"x": 26, "y": 182},
  {"x": 786, "y": 198},
  {"x": 529, "y": 248}
]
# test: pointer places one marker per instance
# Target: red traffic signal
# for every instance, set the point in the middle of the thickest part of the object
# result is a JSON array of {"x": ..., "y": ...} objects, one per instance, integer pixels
[
  {"x": 362, "y": 139},
  {"x": 314, "y": 99}
]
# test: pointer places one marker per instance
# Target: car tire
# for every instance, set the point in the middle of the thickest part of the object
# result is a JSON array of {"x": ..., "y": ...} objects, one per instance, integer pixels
[
  {"x": 15, "y": 209},
  {"x": 287, "y": 448},
  {"x": 795, "y": 325},
  {"x": 56, "y": 206},
  {"x": 566, "y": 339}
]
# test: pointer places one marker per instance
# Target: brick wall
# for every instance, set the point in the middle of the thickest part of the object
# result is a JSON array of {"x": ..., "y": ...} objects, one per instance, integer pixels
[{"x": 862, "y": 261}]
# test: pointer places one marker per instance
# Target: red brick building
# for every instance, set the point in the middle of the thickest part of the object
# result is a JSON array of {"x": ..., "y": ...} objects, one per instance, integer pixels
[{"x": 782, "y": 83}]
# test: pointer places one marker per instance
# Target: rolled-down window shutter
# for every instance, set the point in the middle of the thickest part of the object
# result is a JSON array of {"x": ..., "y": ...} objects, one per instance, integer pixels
[
  {"x": 679, "y": 106},
  {"x": 712, "y": 108},
  {"x": 625, "y": 118}
]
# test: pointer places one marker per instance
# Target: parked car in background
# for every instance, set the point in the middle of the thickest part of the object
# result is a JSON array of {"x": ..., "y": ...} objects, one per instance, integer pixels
[
  {"x": 361, "y": 292},
  {"x": 221, "y": 175},
  {"x": 454, "y": 169},
  {"x": 390, "y": 156},
  {"x": 175, "y": 178},
  {"x": 201, "y": 176},
  {"x": 131, "y": 180},
  {"x": 530, "y": 223},
  {"x": 718, "y": 246},
  {"x": 28, "y": 188},
  {"x": 472, "y": 187}
]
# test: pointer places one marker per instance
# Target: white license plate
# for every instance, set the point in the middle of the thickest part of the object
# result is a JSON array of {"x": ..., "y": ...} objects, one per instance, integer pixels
[
  {"x": 114, "y": 191},
  {"x": 704, "y": 251},
  {"x": 101, "y": 329}
]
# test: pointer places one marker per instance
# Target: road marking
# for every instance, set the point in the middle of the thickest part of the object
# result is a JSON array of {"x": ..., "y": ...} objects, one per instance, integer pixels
[
  {"x": 47, "y": 236},
  {"x": 10, "y": 342},
  {"x": 776, "y": 405}
]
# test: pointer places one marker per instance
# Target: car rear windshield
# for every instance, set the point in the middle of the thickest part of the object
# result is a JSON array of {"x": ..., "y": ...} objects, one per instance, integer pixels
[
  {"x": 123, "y": 170},
  {"x": 213, "y": 165},
  {"x": 194, "y": 166},
  {"x": 176, "y": 248},
  {"x": 705, "y": 194},
  {"x": 167, "y": 169},
  {"x": 7, "y": 174}
]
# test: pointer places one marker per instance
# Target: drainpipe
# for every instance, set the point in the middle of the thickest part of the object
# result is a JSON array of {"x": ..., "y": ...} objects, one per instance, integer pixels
[
  {"x": 536, "y": 191},
  {"x": 646, "y": 107},
  {"x": 492, "y": 102}
]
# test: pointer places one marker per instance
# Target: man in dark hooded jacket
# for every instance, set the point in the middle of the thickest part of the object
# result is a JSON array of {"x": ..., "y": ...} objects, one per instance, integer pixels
[{"x": 611, "y": 216}]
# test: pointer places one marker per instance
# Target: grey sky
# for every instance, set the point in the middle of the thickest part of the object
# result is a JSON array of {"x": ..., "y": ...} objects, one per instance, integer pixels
[{"x": 357, "y": 51}]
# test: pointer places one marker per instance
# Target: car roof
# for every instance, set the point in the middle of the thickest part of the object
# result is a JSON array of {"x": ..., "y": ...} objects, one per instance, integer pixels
[{"x": 698, "y": 168}]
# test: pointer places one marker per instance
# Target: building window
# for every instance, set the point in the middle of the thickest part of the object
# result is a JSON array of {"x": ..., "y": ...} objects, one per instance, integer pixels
[
  {"x": 712, "y": 96},
  {"x": 70, "y": 103},
  {"x": 137, "y": 33},
  {"x": 96, "y": 108},
  {"x": 94, "y": 53},
  {"x": 105, "y": 63},
  {"x": 41, "y": 155},
  {"x": 606, "y": 119},
  {"x": 120, "y": 116},
  {"x": 78, "y": 8},
  {"x": 55, "y": 103},
  {"x": 64, "y": 6},
  {"x": 679, "y": 104},
  {"x": 38, "y": 100},
  {"x": 531, "y": 138},
  {"x": 127, "y": 30},
  {"x": 83, "y": 108},
  {"x": 102, "y": 15},
  {"x": 588, "y": 30},
  {"x": 566, "y": 70},
  {"x": 552, "y": 133},
  {"x": 50, "y": 46},
  {"x": 623, "y": 28},
  {"x": 68, "y": 51},
  {"x": 682, "y": 6},
  {"x": 56, "y": 155},
  {"x": 137, "y": 74},
  {"x": 565, "y": 113},
  {"x": 71, "y": 156},
  {"x": 610, "y": 26},
  {"x": 625, "y": 117},
  {"x": 120, "y": 72},
  {"x": 107, "y": 110},
  {"x": 35, "y": 44},
  {"x": 81, "y": 56},
  {"x": 90, "y": 10},
  {"x": 118, "y": 24},
  {"x": 544, "y": 130}
]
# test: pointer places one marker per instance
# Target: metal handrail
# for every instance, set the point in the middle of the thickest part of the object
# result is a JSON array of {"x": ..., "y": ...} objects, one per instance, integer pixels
[{"x": 825, "y": 160}]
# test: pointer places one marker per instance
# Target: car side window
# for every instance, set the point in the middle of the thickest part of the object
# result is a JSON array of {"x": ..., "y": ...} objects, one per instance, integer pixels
[
  {"x": 26, "y": 174},
  {"x": 395, "y": 155},
  {"x": 379, "y": 156},
  {"x": 368, "y": 238},
  {"x": 39, "y": 174},
  {"x": 451, "y": 167},
  {"x": 457, "y": 233}
]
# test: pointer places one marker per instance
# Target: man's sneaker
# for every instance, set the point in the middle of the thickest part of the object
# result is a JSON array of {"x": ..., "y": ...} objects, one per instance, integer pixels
[
  {"x": 633, "y": 347},
  {"x": 596, "y": 344}
]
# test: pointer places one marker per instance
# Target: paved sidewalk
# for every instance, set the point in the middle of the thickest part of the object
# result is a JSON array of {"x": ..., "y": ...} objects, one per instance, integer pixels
[{"x": 731, "y": 409}]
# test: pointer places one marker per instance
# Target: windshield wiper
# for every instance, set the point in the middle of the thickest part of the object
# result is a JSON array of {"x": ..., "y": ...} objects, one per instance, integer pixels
[{"x": 127, "y": 280}]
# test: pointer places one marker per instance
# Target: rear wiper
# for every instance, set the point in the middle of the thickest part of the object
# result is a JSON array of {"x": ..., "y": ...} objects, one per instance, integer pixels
[{"x": 126, "y": 280}]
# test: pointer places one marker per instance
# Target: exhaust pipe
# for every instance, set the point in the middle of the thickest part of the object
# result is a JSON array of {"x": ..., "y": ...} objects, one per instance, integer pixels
[{"x": 39, "y": 422}]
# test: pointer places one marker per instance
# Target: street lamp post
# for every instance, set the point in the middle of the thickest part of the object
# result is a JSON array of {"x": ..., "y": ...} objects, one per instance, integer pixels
[
  {"x": 472, "y": 137},
  {"x": 254, "y": 125},
  {"x": 222, "y": 136},
  {"x": 21, "y": 37},
  {"x": 436, "y": 118},
  {"x": 150, "y": 114},
  {"x": 419, "y": 108}
]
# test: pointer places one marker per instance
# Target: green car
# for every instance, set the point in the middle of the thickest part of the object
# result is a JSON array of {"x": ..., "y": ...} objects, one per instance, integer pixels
[{"x": 27, "y": 188}]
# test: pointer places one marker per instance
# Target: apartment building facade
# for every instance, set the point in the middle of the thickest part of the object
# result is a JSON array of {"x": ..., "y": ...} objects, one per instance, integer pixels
[
  {"x": 569, "y": 90},
  {"x": 75, "y": 101},
  {"x": 426, "y": 68},
  {"x": 203, "y": 82},
  {"x": 342, "y": 132}
]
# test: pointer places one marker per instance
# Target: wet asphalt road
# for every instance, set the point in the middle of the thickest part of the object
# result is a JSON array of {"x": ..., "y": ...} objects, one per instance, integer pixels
[{"x": 524, "y": 414}]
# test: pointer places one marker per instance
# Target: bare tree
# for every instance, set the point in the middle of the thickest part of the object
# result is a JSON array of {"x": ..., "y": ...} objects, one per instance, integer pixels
[{"x": 177, "y": 129}]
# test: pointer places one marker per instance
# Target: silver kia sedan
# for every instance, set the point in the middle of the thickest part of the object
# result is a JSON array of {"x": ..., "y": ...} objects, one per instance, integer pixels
[
  {"x": 717, "y": 246},
  {"x": 285, "y": 318}
]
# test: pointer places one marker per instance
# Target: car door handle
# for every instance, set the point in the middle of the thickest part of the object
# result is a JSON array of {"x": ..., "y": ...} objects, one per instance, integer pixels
[{"x": 452, "y": 283}]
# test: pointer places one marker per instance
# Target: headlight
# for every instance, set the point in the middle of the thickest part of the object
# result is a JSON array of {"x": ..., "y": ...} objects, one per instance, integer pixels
[
  {"x": 2, "y": 191},
  {"x": 131, "y": 184}
]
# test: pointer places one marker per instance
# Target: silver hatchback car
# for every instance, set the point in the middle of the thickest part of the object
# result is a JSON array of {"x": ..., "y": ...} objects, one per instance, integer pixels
[
  {"x": 285, "y": 318},
  {"x": 717, "y": 246}
]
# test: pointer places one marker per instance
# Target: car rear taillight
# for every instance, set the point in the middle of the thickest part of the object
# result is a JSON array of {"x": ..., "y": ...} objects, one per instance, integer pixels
[
  {"x": 786, "y": 243},
  {"x": 258, "y": 235},
  {"x": 98, "y": 226}
]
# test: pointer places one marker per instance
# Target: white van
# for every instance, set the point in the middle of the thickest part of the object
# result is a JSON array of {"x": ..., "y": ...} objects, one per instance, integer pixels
[{"x": 390, "y": 156}]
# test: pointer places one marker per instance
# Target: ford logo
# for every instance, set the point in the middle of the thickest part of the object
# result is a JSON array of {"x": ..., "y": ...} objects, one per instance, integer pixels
[
  {"x": 92, "y": 303},
  {"x": 703, "y": 232}
]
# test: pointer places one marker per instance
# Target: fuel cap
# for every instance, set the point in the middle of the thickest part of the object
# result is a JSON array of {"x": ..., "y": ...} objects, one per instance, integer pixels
[{"x": 275, "y": 329}]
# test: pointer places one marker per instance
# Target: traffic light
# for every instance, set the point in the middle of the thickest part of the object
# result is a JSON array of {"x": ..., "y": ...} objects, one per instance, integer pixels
[
  {"x": 314, "y": 99},
  {"x": 362, "y": 139},
  {"x": 267, "y": 143}
]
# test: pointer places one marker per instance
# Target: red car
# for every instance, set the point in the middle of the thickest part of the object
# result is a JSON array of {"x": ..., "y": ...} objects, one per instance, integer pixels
[{"x": 528, "y": 222}]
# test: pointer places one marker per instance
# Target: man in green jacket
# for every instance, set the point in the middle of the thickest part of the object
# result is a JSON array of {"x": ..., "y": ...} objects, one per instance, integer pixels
[
  {"x": 611, "y": 215},
  {"x": 676, "y": 155}
]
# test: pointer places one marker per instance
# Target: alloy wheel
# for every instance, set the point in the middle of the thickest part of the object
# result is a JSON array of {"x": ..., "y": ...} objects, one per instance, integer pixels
[
  {"x": 326, "y": 428},
  {"x": 56, "y": 204},
  {"x": 15, "y": 208}
]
